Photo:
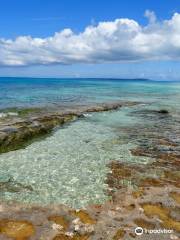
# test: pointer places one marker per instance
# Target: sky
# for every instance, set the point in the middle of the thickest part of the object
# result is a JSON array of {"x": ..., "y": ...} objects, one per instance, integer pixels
[{"x": 102, "y": 38}]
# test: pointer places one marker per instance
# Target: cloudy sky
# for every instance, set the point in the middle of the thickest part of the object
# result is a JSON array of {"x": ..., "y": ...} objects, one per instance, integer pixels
[{"x": 125, "y": 39}]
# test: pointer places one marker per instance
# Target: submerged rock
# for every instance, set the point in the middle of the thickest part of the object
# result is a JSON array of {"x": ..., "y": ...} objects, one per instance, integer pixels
[
  {"x": 18, "y": 132},
  {"x": 10, "y": 185},
  {"x": 163, "y": 111},
  {"x": 153, "y": 114}
]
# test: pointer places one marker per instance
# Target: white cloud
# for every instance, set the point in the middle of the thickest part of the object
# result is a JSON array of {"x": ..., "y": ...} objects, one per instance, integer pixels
[
  {"x": 151, "y": 16},
  {"x": 117, "y": 41}
]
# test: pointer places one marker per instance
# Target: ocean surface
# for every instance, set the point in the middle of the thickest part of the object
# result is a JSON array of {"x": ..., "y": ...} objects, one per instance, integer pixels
[
  {"x": 28, "y": 92},
  {"x": 70, "y": 166}
]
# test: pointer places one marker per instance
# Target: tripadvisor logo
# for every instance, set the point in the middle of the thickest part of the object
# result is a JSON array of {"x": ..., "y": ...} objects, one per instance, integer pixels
[{"x": 139, "y": 231}]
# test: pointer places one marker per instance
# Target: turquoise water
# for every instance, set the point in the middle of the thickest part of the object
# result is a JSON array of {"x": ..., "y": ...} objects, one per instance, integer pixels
[
  {"x": 70, "y": 166},
  {"x": 30, "y": 92}
]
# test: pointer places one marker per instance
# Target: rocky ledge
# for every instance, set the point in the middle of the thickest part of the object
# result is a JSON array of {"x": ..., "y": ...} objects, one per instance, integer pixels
[
  {"x": 151, "y": 208},
  {"x": 19, "y": 128}
]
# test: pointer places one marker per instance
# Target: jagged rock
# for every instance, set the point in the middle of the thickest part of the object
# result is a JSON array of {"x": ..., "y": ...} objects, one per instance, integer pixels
[{"x": 163, "y": 111}]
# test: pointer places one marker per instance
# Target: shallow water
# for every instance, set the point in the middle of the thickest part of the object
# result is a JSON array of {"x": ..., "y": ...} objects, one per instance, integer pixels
[
  {"x": 70, "y": 166},
  {"x": 24, "y": 92}
]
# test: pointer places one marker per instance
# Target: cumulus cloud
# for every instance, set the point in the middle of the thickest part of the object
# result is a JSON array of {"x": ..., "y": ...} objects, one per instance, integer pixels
[{"x": 121, "y": 40}]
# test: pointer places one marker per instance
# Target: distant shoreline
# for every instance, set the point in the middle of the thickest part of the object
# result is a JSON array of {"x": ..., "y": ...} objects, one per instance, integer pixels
[{"x": 89, "y": 78}]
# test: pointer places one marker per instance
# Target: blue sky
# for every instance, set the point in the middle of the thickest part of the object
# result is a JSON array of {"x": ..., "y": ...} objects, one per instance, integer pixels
[{"x": 41, "y": 19}]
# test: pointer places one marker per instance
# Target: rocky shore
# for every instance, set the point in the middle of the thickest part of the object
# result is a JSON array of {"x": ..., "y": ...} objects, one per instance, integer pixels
[
  {"x": 20, "y": 127},
  {"x": 152, "y": 208},
  {"x": 145, "y": 195}
]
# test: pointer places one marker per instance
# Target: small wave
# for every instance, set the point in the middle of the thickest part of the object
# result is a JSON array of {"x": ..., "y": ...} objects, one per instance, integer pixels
[
  {"x": 87, "y": 115},
  {"x": 4, "y": 115}
]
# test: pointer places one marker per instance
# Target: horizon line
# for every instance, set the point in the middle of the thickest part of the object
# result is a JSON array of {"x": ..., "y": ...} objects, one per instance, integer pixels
[{"x": 92, "y": 78}]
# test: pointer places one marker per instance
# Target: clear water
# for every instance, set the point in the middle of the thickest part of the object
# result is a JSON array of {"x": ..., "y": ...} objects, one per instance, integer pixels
[
  {"x": 24, "y": 92},
  {"x": 70, "y": 166}
]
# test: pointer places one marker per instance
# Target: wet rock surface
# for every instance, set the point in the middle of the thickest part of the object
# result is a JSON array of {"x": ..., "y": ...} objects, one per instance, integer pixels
[
  {"x": 116, "y": 219},
  {"x": 154, "y": 185},
  {"x": 142, "y": 195},
  {"x": 16, "y": 229}
]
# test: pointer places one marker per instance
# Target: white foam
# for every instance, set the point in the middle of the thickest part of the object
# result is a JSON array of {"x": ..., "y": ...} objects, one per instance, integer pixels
[{"x": 4, "y": 115}]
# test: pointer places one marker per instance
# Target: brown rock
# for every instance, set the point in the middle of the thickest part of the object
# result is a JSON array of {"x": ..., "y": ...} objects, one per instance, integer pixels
[{"x": 18, "y": 230}]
